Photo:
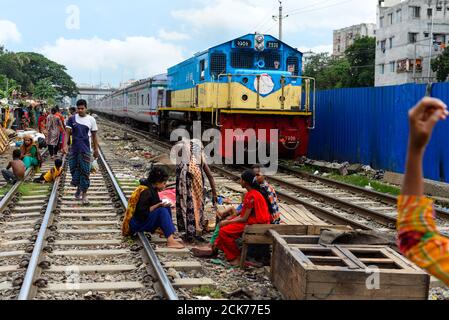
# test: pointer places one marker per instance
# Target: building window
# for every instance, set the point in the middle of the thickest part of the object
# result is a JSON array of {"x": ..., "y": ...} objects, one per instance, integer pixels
[
  {"x": 383, "y": 45},
  {"x": 412, "y": 37},
  {"x": 392, "y": 66},
  {"x": 415, "y": 12},
  {"x": 381, "y": 22},
  {"x": 390, "y": 18},
  {"x": 426, "y": 34},
  {"x": 430, "y": 12},
  {"x": 399, "y": 15},
  {"x": 391, "y": 42},
  {"x": 382, "y": 69}
]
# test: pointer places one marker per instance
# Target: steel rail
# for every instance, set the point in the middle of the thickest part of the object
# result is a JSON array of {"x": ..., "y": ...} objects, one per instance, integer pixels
[
  {"x": 27, "y": 289},
  {"x": 166, "y": 285},
  {"x": 320, "y": 212},
  {"x": 388, "y": 199},
  {"x": 384, "y": 219}
]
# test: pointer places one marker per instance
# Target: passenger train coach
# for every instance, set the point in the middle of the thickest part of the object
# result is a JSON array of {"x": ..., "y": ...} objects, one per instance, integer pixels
[{"x": 253, "y": 82}]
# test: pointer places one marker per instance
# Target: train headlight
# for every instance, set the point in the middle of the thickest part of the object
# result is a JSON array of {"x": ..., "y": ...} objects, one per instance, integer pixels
[{"x": 260, "y": 42}]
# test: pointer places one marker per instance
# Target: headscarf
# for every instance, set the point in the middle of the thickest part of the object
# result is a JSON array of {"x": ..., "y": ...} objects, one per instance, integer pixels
[{"x": 26, "y": 150}]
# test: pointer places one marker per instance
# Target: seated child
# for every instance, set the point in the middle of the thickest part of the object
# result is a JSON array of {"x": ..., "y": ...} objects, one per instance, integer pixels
[
  {"x": 255, "y": 210},
  {"x": 147, "y": 213},
  {"x": 18, "y": 169},
  {"x": 52, "y": 174}
]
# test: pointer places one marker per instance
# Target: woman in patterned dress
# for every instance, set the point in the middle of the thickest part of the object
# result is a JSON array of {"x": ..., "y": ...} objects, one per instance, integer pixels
[{"x": 191, "y": 170}]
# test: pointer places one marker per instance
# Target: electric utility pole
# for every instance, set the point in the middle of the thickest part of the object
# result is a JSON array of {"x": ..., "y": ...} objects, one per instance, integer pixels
[{"x": 280, "y": 18}]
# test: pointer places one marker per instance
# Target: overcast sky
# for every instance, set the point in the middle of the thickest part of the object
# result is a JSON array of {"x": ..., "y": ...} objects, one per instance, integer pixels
[{"x": 114, "y": 40}]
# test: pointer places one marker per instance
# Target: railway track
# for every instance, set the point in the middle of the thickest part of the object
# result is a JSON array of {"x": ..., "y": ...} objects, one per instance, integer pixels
[
  {"x": 331, "y": 204},
  {"x": 53, "y": 248}
]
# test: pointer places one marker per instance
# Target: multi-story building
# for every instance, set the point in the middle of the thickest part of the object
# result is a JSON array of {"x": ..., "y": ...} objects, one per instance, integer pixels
[
  {"x": 344, "y": 38},
  {"x": 410, "y": 34}
]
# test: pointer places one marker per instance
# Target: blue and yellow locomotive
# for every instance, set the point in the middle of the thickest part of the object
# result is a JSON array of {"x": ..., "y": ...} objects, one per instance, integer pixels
[{"x": 253, "y": 82}]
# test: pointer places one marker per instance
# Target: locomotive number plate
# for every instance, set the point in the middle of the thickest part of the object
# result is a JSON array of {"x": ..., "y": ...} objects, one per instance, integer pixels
[
  {"x": 243, "y": 43},
  {"x": 273, "y": 45}
]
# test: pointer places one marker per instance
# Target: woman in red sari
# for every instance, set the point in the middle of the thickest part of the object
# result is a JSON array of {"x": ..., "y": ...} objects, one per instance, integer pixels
[{"x": 255, "y": 211}]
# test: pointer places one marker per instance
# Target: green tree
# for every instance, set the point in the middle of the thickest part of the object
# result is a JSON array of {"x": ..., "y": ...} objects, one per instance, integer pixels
[
  {"x": 440, "y": 65},
  {"x": 45, "y": 90},
  {"x": 7, "y": 87},
  {"x": 361, "y": 57},
  {"x": 28, "y": 68},
  {"x": 39, "y": 67},
  {"x": 11, "y": 67},
  {"x": 329, "y": 72}
]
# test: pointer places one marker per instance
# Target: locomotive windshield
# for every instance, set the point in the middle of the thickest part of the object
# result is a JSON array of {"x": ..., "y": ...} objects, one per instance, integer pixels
[{"x": 268, "y": 60}]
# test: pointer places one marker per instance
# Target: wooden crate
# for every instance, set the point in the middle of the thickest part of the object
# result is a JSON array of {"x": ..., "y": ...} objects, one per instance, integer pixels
[
  {"x": 304, "y": 270},
  {"x": 260, "y": 234}
]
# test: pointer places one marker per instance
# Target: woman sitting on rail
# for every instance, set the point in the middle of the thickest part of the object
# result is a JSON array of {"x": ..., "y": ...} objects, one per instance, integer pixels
[
  {"x": 419, "y": 238},
  {"x": 30, "y": 153},
  {"x": 255, "y": 210},
  {"x": 147, "y": 213}
]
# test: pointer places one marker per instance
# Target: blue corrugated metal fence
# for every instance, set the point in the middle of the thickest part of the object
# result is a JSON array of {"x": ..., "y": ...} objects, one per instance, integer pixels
[{"x": 370, "y": 126}]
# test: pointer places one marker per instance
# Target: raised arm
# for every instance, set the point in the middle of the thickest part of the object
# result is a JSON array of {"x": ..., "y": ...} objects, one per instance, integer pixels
[
  {"x": 423, "y": 119},
  {"x": 419, "y": 238}
]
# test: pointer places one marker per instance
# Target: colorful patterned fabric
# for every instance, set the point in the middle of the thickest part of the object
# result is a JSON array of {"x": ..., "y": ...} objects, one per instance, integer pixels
[
  {"x": 80, "y": 164},
  {"x": 129, "y": 214},
  {"x": 190, "y": 195},
  {"x": 272, "y": 196},
  {"x": 419, "y": 238},
  {"x": 53, "y": 127}
]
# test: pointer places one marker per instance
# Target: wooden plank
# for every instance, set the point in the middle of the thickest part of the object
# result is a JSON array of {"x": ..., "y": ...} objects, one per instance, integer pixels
[
  {"x": 14, "y": 243},
  {"x": 88, "y": 231},
  {"x": 358, "y": 291},
  {"x": 26, "y": 215},
  {"x": 92, "y": 269},
  {"x": 194, "y": 283},
  {"x": 87, "y": 209},
  {"x": 18, "y": 231},
  {"x": 86, "y": 287},
  {"x": 87, "y": 223},
  {"x": 87, "y": 215},
  {"x": 181, "y": 252},
  {"x": 7, "y": 269},
  {"x": 90, "y": 253},
  {"x": 184, "y": 265},
  {"x": 11, "y": 254},
  {"x": 87, "y": 243},
  {"x": 21, "y": 223}
]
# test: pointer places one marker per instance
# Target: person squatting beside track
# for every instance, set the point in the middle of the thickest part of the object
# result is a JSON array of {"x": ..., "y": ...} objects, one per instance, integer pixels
[
  {"x": 419, "y": 238},
  {"x": 147, "y": 213},
  {"x": 81, "y": 127},
  {"x": 17, "y": 166}
]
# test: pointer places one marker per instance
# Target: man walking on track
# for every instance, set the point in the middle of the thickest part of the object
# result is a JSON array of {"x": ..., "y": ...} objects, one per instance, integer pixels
[{"x": 83, "y": 129}]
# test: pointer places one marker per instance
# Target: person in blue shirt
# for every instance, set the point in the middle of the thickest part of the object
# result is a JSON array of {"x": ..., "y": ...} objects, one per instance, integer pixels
[{"x": 83, "y": 130}]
